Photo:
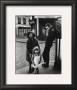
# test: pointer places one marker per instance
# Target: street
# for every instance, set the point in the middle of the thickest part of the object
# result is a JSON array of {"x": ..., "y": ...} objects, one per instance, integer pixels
[{"x": 21, "y": 64}]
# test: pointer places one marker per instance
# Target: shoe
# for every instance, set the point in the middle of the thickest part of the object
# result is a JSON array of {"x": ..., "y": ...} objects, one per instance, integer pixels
[
  {"x": 31, "y": 70},
  {"x": 37, "y": 71},
  {"x": 45, "y": 65}
]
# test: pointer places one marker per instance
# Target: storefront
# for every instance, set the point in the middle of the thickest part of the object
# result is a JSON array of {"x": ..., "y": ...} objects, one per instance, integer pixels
[
  {"x": 22, "y": 31},
  {"x": 24, "y": 24}
]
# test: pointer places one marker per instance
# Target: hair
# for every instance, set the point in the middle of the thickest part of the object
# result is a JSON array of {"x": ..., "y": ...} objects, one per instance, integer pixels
[
  {"x": 48, "y": 24},
  {"x": 29, "y": 33},
  {"x": 36, "y": 48}
]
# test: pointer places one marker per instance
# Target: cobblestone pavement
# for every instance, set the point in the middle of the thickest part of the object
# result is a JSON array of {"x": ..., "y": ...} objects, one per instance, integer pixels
[{"x": 21, "y": 64}]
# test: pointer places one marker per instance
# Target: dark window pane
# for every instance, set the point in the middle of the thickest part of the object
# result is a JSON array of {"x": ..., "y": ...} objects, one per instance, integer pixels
[
  {"x": 19, "y": 20},
  {"x": 24, "y": 20}
]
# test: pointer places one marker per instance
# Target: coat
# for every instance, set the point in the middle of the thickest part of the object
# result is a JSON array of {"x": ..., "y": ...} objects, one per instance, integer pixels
[
  {"x": 31, "y": 43},
  {"x": 51, "y": 36}
]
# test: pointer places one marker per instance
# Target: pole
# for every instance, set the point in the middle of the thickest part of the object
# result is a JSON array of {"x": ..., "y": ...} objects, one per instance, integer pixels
[{"x": 57, "y": 64}]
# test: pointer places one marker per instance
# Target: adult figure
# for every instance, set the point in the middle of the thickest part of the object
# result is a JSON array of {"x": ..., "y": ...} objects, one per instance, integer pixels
[
  {"x": 48, "y": 44},
  {"x": 31, "y": 43}
]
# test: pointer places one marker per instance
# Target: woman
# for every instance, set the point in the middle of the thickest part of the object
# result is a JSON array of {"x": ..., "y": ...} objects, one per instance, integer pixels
[
  {"x": 31, "y": 43},
  {"x": 48, "y": 44}
]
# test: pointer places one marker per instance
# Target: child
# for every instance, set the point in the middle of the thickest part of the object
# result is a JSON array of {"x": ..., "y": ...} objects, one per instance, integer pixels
[{"x": 36, "y": 58}]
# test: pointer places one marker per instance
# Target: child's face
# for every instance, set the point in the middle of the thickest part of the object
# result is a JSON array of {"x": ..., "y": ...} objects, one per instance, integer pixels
[{"x": 36, "y": 52}]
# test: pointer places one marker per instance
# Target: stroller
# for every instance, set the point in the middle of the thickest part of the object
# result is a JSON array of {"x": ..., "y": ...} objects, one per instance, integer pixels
[{"x": 36, "y": 59}]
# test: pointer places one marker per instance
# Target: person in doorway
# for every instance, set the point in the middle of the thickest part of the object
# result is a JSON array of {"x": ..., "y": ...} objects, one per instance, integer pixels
[{"x": 48, "y": 44}]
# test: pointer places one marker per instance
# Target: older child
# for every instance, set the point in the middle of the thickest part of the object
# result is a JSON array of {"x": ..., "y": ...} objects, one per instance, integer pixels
[{"x": 31, "y": 43}]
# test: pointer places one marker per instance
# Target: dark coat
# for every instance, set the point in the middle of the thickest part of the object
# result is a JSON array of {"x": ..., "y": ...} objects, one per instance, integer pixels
[
  {"x": 31, "y": 43},
  {"x": 51, "y": 36}
]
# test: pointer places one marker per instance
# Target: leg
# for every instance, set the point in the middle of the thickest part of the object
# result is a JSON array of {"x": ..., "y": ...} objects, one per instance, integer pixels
[
  {"x": 46, "y": 56},
  {"x": 31, "y": 69},
  {"x": 37, "y": 71}
]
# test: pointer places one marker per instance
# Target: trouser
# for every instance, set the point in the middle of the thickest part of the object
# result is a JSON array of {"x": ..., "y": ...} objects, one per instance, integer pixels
[
  {"x": 46, "y": 54},
  {"x": 29, "y": 59}
]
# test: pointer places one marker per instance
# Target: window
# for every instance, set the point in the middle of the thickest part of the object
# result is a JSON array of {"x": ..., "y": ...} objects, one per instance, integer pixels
[
  {"x": 19, "y": 20},
  {"x": 24, "y": 20}
]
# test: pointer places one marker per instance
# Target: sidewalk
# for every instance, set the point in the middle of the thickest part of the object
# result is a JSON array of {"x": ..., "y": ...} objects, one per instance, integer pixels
[
  {"x": 42, "y": 70},
  {"x": 24, "y": 40},
  {"x": 22, "y": 65}
]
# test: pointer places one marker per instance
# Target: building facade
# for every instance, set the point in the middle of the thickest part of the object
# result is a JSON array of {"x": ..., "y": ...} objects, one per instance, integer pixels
[
  {"x": 22, "y": 26},
  {"x": 25, "y": 24}
]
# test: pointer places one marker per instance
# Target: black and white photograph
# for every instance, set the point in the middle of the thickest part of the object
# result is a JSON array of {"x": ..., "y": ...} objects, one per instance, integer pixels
[{"x": 37, "y": 44}]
